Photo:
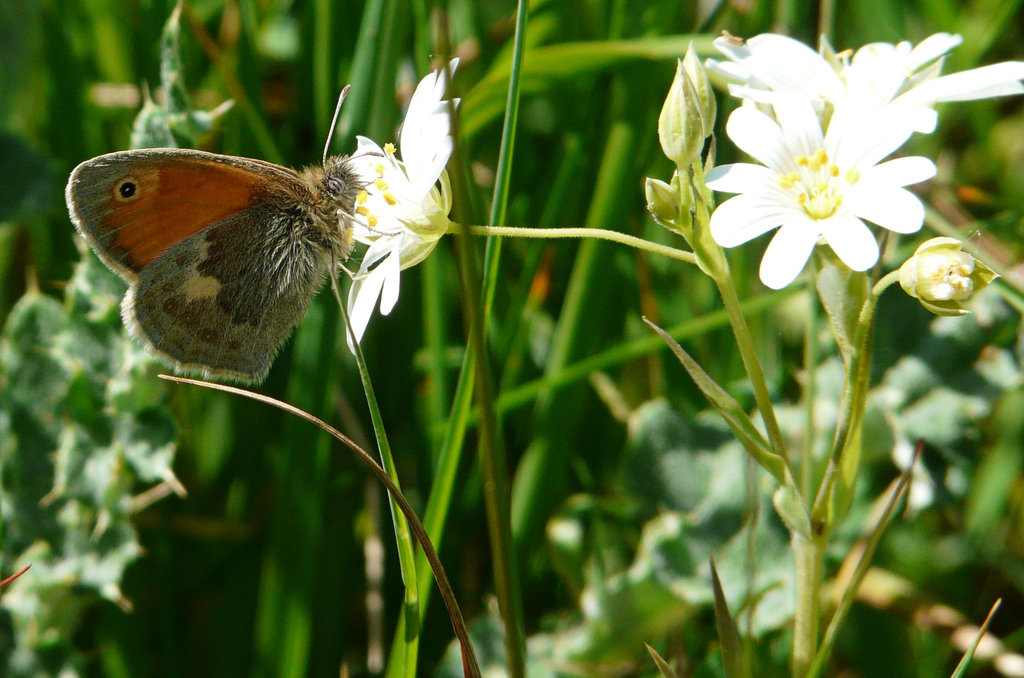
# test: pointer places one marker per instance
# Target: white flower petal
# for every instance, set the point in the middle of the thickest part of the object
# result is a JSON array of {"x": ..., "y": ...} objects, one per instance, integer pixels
[
  {"x": 367, "y": 146},
  {"x": 426, "y": 124},
  {"x": 392, "y": 276},
  {"x": 800, "y": 127},
  {"x": 362, "y": 299},
  {"x": 740, "y": 219},
  {"x": 787, "y": 253},
  {"x": 784, "y": 64},
  {"x": 757, "y": 135},
  {"x": 931, "y": 48},
  {"x": 851, "y": 240},
  {"x": 896, "y": 209},
  {"x": 996, "y": 80},
  {"x": 738, "y": 178},
  {"x": 900, "y": 172}
]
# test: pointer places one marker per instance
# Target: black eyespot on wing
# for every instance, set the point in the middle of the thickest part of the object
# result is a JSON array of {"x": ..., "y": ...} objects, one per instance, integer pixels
[{"x": 126, "y": 189}]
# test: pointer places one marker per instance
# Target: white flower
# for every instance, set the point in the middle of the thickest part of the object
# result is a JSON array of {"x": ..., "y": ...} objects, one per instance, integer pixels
[
  {"x": 879, "y": 75},
  {"x": 814, "y": 186},
  {"x": 403, "y": 210}
]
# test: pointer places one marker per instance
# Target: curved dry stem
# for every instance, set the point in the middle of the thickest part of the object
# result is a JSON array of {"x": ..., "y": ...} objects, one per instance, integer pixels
[{"x": 470, "y": 664}]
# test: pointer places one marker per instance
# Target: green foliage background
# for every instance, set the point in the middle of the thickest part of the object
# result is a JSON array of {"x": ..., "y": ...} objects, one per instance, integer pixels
[{"x": 622, "y": 483}]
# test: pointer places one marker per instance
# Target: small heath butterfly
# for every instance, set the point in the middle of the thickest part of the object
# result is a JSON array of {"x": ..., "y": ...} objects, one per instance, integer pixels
[{"x": 222, "y": 255}]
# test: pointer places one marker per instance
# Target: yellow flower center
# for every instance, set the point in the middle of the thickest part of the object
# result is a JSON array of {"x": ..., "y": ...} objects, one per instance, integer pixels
[{"x": 817, "y": 184}]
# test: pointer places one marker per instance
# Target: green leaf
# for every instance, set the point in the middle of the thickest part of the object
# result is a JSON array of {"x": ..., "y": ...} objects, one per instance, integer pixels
[
  {"x": 965, "y": 661},
  {"x": 743, "y": 428},
  {"x": 663, "y": 667},
  {"x": 172, "y": 123},
  {"x": 733, "y": 656},
  {"x": 843, "y": 293}
]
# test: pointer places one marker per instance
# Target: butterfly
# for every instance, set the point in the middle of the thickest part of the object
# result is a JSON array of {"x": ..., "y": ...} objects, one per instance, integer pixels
[{"x": 222, "y": 254}]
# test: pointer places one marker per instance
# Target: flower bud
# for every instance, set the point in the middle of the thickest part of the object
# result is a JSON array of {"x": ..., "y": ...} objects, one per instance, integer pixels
[
  {"x": 662, "y": 201},
  {"x": 681, "y": 123},
  {"x": 941, "y": 275},
  {"x": 699, "y": 77}
]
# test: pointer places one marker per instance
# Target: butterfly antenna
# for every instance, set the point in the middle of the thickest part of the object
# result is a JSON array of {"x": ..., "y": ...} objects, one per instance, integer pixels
[{"x": 334, "y": 121}]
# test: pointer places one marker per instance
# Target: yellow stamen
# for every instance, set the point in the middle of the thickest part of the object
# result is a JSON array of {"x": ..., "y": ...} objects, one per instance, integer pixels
[
  {"x": 361, "y": 196},
  {"x": 389, "y": 198},
  {"x": 380, "y": 184},
  {"x": 362, "y": 210},
  {"x": 371, "y": 221},
  {"x": 389, "y": 148}
]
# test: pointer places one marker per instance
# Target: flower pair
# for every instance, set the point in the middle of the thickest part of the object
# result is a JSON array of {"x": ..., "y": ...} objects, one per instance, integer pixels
[{"x": 821, "y": 125}]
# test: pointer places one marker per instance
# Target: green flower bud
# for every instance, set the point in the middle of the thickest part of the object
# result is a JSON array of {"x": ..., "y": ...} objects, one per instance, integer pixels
[
  {"x": 941, "y": 275},
  {"x": 681, "y": 123},
  {"x": 699, "y": 77},
  {"x": 662, "y": 201}
]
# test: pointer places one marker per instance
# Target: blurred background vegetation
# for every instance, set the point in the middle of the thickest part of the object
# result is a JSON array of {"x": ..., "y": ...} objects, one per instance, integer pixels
[{"x": 174, "y": 531}]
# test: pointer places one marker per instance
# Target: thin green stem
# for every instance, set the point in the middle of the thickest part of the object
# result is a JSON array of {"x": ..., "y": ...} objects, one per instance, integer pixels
[
  {"x": 406, "y": 551},
  {"x": 492, "y": 454},
  {"x": 745, "y": 342},
  {"x": 887, "y": 280},
  {"x": 581, "y": 232},
  {"x": 713, "y": 261},
  {"x": 810, "y": 395}
]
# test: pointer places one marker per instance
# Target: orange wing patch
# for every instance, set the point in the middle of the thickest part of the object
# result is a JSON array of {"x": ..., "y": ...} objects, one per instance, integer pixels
[
  {"x": 135, "y": 205},
  {"x": 171, "y": 203}
]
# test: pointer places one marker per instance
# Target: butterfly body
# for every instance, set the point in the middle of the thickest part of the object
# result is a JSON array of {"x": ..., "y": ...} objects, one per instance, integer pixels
[{"x": 221, "y": 254}]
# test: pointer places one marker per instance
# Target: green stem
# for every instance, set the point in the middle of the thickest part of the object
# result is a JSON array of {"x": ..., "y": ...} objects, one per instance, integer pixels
[
  {"x": 493, "y": 466},
  {"x": 406, "y": 552},
  {"x": 713, "y": 261},
  {"x": 809, "y": 555},
  {"x": 581, "y": 232},
  {"x": 745, "y": 342}
]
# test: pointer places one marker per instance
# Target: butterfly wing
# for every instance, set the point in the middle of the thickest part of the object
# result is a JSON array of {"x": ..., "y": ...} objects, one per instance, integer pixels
[
  {"x": 218, "y": 267},
  {"x": 132, "y": 206},
  {"x": 217, "y": 303}
]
